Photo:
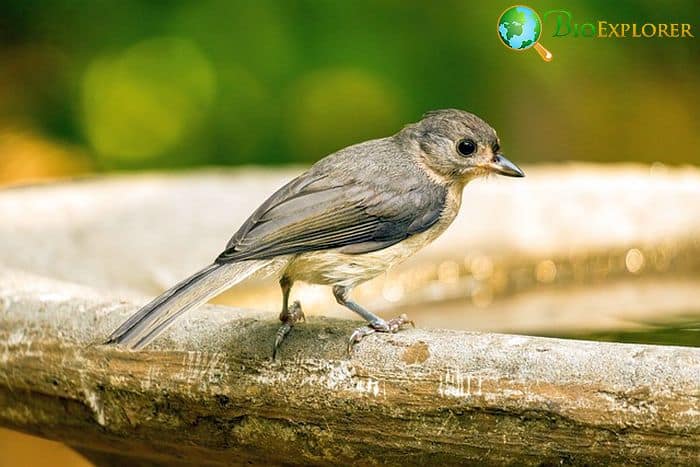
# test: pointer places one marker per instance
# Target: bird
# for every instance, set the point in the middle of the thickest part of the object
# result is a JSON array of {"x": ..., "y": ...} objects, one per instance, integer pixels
[{"x": 351, "y": 216}]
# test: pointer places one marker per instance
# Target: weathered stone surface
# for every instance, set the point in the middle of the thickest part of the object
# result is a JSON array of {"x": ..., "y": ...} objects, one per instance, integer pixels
[{"x": 207, "y": 392}]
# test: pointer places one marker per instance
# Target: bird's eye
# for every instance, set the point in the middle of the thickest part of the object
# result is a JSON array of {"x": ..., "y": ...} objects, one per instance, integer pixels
[
  {"x": 496, "y": 148},
  {"x": 466, "y": 147}
]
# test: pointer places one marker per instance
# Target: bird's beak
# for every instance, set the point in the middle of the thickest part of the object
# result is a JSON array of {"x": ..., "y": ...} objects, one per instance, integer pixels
[{"x": 502, "y": 166}]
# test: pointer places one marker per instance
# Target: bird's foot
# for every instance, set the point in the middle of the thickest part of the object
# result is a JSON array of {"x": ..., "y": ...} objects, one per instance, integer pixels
[
  {"x": 289, "y": 318},
  {"x": 392, "y": 326}
]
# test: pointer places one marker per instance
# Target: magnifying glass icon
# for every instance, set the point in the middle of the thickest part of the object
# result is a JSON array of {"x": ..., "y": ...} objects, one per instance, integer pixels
[{"x": 519, "y": 28}]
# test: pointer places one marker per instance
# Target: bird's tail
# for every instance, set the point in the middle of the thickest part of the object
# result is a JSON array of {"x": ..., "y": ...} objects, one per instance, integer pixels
[{"x": 154, "y": 318}]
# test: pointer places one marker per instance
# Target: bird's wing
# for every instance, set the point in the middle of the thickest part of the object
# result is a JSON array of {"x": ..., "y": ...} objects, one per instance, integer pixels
[{"x": 314, "y": 213}]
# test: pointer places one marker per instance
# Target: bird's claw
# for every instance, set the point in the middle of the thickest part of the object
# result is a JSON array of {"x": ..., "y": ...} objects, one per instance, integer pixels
[
  {"x": 396, "y": 323},
  {"x": 289, "y": 318},
  {"x": 393, "y": 325},
  {"x": 358, "y": 334}
]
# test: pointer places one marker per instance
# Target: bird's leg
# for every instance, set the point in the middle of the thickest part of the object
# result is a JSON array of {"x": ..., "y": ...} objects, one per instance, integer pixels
[
  {"x": 289, "y": 315},
  {"x": 375, "y": 323}
]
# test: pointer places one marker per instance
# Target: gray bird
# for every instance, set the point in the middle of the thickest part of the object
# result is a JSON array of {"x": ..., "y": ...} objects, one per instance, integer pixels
[{"x": 350, "y": 217}]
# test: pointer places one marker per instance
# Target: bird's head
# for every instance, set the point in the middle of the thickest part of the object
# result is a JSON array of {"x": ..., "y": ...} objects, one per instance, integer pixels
[{"x": 458, "y": 146}]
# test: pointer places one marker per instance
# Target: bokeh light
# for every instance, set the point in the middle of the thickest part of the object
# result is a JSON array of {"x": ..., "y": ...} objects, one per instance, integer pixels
[
  {"x": 29, "y": 157},
  {"x": 634, "y": 260},
  {"x": 140, "y": 103}
]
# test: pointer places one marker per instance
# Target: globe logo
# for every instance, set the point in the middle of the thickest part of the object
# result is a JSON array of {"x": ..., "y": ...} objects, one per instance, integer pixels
[{"x": 519, "y": 28}]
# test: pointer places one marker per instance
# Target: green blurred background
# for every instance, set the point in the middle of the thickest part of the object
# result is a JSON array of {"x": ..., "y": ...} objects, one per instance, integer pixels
[{"x": 94, "y": 86}]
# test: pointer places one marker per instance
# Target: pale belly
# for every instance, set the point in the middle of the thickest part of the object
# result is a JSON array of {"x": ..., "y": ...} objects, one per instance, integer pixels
[{"x": 331, "y": 267}]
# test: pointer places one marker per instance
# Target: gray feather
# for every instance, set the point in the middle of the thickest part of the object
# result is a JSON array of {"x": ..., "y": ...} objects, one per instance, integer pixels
[
  {"x": 155, "y": 317},
  {"x": 347, "y": 201}
]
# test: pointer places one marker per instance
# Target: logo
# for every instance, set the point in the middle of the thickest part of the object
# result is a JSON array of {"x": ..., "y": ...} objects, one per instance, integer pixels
[
  {"x": 520, "y": 28},
  {"x": 565, "y": 26}
]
